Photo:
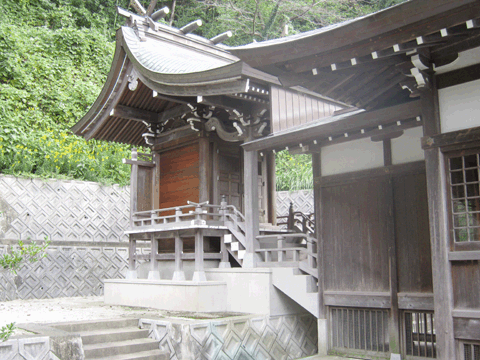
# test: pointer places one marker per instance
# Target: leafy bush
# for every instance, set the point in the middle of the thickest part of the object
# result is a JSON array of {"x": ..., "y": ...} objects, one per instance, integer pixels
[{"x": 293, "y": 172}]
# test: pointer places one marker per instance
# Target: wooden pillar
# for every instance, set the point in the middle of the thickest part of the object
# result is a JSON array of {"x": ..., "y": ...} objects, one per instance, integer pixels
[
  {"x": 199, "y": 274},
  {"x": 178, "y": 274},
  {"x": 153, "y": 274},
  {"x": 156, "y": 182},
  {"x": 439, "y": 240},
  {"x": 317, "y": 202},
  {"x": 132, "y": 249},
  {"x": 252, "y": 215},
  {"x": 133, "y": 187},
  {"x": 224, "y": 263},
  {"x": 271, "y": 185},
  {"x": 216, "y": 174},
  {"x": 203, "y": 154}
]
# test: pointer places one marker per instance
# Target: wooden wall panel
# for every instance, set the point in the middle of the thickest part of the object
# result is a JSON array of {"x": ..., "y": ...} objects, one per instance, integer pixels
[
  {"x": 291, "y": 108},
  {"x": 355, "y": 235},
  {"x": 144, "y": 188},
  {"x": 466, "y": 285},
  {"x": 179, "y": 176},
  {"x": 414, "y": 260}
]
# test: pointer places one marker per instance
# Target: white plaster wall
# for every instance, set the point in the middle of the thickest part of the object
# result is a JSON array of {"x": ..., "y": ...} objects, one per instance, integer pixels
[
  {"x": 408, "y": 148},
  {"x": 465, "y": 58},
  {"x": 460, "y": 106},
  {"x": 351, "y": 156}
]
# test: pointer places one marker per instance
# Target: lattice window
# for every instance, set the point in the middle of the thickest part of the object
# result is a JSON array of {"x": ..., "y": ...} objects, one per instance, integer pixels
[
  {"x": 420, "y": 338},
  {"x": 471, "y": 352},
  {"x": 464, "y": 182},
  {"x": 361, "y": 329}
]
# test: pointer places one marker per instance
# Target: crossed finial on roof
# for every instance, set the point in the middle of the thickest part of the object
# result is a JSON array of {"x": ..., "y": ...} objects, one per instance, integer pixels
[{"x": 149, "y": 12}]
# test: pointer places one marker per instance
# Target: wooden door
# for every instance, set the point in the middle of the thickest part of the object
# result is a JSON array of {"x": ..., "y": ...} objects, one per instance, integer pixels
[
  {"x": 230, "y": 179},
  {"x": 179, "y": 176}
]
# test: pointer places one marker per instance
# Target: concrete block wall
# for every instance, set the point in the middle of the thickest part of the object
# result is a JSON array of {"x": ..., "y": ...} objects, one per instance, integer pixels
[
  {"x": 69, "y": 269},
  {"x": 302, "y": 201},
  {"x": 253, "y": 337},
  {"x": 31, "y": 348},
  {"x": 62, "y": 210}
]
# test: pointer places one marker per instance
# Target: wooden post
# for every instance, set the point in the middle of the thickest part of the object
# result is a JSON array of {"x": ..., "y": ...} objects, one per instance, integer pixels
[
  {"x": 153, "y": 274},
  {"x": 439, "y": 240},
  {"x": 132, "y": 249},
  {"x": 394, "y": 314},
  {"x": 133, "y": 187},
  {"x": 199, "y": 274},
  {"x": 291, "y": 217},
  {"x": 317, "y": 202},
  {"x": 271, "y": 184},
  {"x": 252, "y": 215},
  {"x": 178, "y": 274},
  {"x": 203, "y": 154},
  {"x": 156, "y": 182},
  {"x": 216, "y": 174},
  {"x": 223, "y": 250},
  {"x": 281, "y": 245}
]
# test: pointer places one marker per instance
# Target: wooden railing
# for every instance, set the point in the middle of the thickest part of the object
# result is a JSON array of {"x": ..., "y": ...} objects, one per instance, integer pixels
[
  {"x": 297, "y": 221},
  {"x": 307, "y": 245},
  {"x": 193, "y": 214}
]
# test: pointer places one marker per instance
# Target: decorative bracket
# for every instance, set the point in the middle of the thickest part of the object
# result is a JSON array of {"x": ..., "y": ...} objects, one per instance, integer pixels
[{"x": 214, "y": 124}]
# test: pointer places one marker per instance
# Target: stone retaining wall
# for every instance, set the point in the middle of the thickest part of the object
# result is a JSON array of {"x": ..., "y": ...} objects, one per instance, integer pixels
[{"x": 246, "y": 337}]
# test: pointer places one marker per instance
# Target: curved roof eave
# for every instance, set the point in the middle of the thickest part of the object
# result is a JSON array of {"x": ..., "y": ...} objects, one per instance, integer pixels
[
  {"x": 172, "y": 64},
  {"x": 334, "y": 37},
  {"x": 114, "y": 77}
]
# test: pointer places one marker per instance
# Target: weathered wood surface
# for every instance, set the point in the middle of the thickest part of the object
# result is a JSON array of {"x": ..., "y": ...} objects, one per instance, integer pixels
[
  {"x": 354, "y": 232},
  {"x": 179, "y": 179},
  {"x": 291, "y": 108},
  {"x": 412, "y": 234}
]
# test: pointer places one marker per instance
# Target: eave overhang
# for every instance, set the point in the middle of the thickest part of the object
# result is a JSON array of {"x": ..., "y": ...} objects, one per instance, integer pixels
[{"x": 344, "y": 126}]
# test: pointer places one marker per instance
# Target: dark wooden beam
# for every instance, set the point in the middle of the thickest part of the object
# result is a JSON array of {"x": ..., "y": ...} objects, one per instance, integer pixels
[
  {"x": 222, "y": 102},
  {"x": 339, "y": 124},
  {"x": 459, "y": 76},
  {"x": 387, "y": 132},
  {"x": 173, "y": 113},
  {"x": 454, "y": 138},
  {"x": 126, "y": 112}
]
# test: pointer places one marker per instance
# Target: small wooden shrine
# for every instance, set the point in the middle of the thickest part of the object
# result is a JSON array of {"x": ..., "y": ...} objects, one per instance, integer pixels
[{"x": 387, "y": 104}]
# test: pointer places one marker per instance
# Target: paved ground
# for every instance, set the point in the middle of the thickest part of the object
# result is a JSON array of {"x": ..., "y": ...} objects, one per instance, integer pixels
[{"x": 80, "y": 309}]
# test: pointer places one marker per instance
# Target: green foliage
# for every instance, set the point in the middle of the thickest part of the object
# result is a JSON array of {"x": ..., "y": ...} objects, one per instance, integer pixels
[
  {"x": 50, "y": 75},
  {"x": 7, "y": 331},
  {"x": 55, "y": 55},
  {"x": 293, "y": 172},
  {"x": 32, "y": 253}
]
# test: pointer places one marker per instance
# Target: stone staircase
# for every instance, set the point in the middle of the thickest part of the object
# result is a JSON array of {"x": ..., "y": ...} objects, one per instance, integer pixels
[{"x": 119, "y": 339}]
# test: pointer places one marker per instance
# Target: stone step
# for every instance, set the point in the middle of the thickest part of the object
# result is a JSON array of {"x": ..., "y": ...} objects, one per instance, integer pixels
[
  {"x": 96, "y": 351},
  {"x": 142, "y": 355},
  {"x": 95, "y": 325},
  {"x": 109, "y": 335}
]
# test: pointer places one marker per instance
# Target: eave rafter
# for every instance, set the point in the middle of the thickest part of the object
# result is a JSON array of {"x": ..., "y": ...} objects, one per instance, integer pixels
[{"x": 390, "y": 67}]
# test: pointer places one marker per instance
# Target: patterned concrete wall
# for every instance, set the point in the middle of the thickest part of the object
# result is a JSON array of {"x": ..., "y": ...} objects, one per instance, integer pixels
[
  {"x": 70, "y": 269},
  {"x": 83, "y": 211},
  {"x": 33, "y": 348},
  {"x": 302, "y": 201},
  {"x": 62, "y": 210},
  {"x": 240, "y": 338}
]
